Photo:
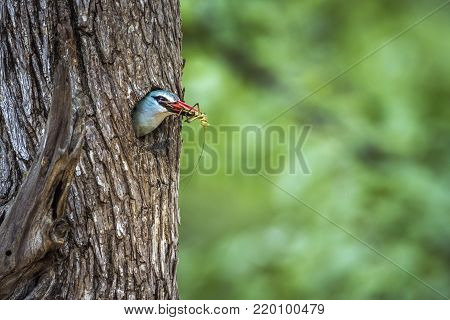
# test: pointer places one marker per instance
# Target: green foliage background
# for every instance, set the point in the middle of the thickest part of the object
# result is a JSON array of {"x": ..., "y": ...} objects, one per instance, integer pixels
[{"x": 378, "y": 151}]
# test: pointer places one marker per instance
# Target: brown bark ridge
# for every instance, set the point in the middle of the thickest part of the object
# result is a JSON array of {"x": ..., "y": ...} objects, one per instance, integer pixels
[{"x": 117, "y": 238}]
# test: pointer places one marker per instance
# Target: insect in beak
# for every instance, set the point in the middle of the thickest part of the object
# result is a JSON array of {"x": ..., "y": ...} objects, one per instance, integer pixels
[
  {"x": 190, "y": 113},
  {"x": 182, "y": 108}
]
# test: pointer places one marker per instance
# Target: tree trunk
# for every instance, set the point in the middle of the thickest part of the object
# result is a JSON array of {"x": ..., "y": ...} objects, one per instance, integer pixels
[{"x": 122, "y": 212}]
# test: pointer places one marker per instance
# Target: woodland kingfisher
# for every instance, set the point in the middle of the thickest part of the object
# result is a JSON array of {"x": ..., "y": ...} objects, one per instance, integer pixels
[{"x": 155, "y": 107}]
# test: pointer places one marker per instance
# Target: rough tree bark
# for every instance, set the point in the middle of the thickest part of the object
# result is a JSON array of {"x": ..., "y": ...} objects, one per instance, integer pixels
[{"x": 117, "y": 238}]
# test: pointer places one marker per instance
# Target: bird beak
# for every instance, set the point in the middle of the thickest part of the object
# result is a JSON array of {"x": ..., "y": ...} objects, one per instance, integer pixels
[{"x": 182, "y": 108}]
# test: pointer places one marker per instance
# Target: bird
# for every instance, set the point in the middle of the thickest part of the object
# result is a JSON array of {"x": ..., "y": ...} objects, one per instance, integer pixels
[{"x": 154, "y": 108}]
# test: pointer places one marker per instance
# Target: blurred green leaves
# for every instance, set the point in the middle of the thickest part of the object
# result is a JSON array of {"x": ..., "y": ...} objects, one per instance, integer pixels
[{"x": 379, "y": 150}]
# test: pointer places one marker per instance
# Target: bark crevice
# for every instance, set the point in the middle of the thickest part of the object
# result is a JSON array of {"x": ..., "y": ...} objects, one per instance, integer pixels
[{"x": 34, "y": 226}]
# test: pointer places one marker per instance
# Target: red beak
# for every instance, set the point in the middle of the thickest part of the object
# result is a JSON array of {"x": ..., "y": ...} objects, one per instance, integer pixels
[{"x": 180, "y": 107}]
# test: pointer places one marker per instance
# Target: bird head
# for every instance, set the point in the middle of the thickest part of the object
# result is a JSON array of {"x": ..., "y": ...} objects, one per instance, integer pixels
[
  {"x": 171, "y": 102},
  {"x": 155, "y": 107}
]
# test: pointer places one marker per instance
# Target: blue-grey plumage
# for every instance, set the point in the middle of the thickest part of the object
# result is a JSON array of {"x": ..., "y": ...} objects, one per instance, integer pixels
[{"x": 153, "y": 109}]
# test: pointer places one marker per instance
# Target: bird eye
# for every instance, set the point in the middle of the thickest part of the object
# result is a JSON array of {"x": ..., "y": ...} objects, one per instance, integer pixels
[{"x": 161, "y": 99}]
